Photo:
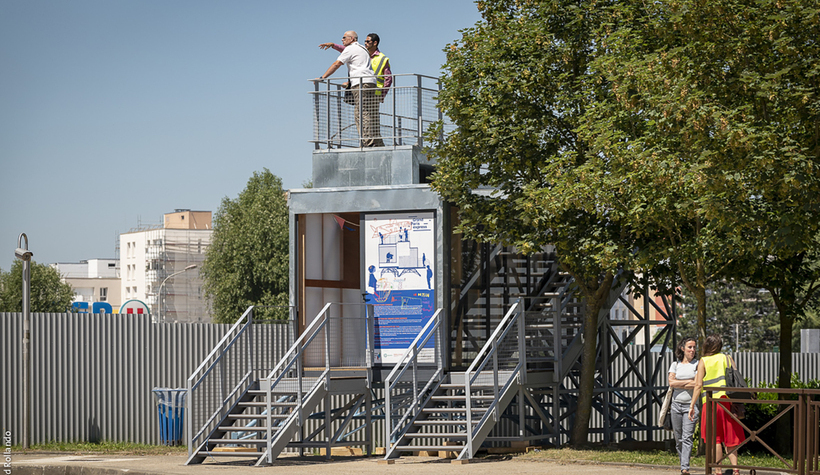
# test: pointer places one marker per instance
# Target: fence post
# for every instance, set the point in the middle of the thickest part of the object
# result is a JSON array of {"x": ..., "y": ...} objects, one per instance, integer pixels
[{"x": 419, "y": 111}]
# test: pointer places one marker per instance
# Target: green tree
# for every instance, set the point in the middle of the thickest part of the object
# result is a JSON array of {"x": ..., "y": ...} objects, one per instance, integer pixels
[
  {"x": 48, "y": 292},
  {"x": 247, "y": 261},
  {"x": 736, "y": 312},
  {"x": 517, "y": 86},
  {"x": 714, "y": 132}
]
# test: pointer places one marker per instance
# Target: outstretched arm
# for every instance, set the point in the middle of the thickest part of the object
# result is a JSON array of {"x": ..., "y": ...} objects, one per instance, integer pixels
[{"x": 338, "y": 48}]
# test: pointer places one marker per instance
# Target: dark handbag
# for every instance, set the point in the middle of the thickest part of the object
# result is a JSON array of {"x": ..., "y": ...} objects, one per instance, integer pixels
[
  {"x": 736, "y": 380},
  {"x": 348, "y": 97}
]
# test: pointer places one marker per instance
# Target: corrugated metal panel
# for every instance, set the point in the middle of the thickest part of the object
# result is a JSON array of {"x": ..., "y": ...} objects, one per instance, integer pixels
[{"x": 92, "y": 375}]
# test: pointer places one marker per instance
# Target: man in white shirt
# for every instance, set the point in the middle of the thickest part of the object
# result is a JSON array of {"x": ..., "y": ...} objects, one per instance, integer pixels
[{"x": 363, "y": 85}]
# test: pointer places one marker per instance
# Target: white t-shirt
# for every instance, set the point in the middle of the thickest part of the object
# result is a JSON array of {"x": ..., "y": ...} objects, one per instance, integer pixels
[
  {"x": 683, "y": 371},
  {"x": 357, "y": 60}
]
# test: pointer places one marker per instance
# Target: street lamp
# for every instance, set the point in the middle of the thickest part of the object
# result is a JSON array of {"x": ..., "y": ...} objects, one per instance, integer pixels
[
  {"x": 24, "y": 255},
  {"x": 159, "y": 290}
]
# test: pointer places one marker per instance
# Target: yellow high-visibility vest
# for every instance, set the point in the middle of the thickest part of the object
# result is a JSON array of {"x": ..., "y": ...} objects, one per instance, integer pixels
[
  {"x": 715, "y": 366},
  {"x": 378, "y": 63}
]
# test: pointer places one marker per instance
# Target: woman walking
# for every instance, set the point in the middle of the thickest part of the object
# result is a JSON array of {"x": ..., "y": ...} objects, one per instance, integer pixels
[
  {"x": 682, "y": 381},
  {"x": 712, "y": 371}
]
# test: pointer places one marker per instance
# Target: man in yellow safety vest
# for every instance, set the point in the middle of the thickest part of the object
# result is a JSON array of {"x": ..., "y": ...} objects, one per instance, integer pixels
[{"x": 378, "y": 62}]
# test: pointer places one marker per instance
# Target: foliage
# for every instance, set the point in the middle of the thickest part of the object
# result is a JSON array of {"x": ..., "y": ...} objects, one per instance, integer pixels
[
  {"x": 48, "y": 292},
  {"x": 517, "y": 86},
  {"x": 729, "y": 304},
  {"x": 713, "y": 136},
  {"x": 247, "y": 261},
  {"x": 759, "y": 414}
]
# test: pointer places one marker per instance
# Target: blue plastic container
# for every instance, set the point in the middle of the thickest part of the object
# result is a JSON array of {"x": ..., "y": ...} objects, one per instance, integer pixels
[{"x": 171, "y": 411}]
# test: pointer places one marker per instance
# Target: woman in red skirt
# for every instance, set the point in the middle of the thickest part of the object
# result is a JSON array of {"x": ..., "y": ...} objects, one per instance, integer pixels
[{"x": 712, "y": 372}]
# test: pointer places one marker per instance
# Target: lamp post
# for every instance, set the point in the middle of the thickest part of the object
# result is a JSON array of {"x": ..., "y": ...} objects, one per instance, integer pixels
[
  {"x": 159, "y": 290},
  {"x": 24, "y": 255}
]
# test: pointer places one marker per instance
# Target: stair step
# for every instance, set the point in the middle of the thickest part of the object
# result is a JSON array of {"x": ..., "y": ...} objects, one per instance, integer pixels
[
  {"x": 238, "y": 441},
  {"x": 444, "y": 422},
  {"x": 420, "y": 435},
  {"x": 264, "y": 404},
  {"x": 461, "y": 398},
  {"x": 257, "y": 416},
  {"x": 206, "y": 453},
  {"x": 243, "y": 429},
  {"x": 429, "y": 448},
  {"x": 453, "y": 409}
]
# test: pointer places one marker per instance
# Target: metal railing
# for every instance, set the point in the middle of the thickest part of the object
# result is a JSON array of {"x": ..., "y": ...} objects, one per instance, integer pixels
[
  {"x": 399, "y": 410},
  {"x": 311, "y": 359},
  {"x": 805, "y": 412},
  {"x": 221, "y": 379},
  {"x": 409, "y": 107},
  {"x": 506, "y": 345}
]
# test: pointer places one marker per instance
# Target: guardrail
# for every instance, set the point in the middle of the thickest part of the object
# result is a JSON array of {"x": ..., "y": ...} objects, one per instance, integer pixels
[
  {"x": 806, "y": 413},
  {"x": 222, "y": 377},
  {"x": 409, "y": 402},
  {"x": 314, "y": 351},
  {"x": 509, "y": 338},
  {"x": 410, "y": 106}
]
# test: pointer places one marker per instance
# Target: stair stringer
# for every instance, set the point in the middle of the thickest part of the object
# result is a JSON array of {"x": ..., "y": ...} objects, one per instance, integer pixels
[
  {"x": 216, "y": 433},
  {"x": 489, "y": 422},
  {"x": 292, "y": 424},
  {"x": 418, "y": 416}
]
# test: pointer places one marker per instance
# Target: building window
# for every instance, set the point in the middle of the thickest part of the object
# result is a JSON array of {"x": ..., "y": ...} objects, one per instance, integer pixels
[{"x": 103, "y": 294}]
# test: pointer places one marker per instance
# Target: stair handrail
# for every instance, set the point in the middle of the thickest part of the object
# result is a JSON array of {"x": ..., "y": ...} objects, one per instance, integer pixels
[
  {"x": 233, "y": 334},
  {"x": 295, "y": 356},
  {"x": 490, "y": 349},
  {"x": 409, "y": 357}
]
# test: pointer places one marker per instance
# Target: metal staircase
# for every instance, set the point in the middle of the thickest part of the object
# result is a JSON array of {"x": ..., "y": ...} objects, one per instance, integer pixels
[
  {"x": 462, "y": 408},
  {"x": 262, "y": 416}
]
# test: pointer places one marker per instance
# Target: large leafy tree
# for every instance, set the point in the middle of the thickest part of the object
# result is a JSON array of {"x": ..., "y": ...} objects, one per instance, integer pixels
[
  {"x": 48, "y": 292},
  {"x": 715, "y": 138},
  {"x": 517, "y": 85},
  {"x": 247, "y": 261}
]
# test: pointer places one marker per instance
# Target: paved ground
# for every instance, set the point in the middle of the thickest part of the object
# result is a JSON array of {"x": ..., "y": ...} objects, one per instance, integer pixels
[{"x": 40, "y": 463}]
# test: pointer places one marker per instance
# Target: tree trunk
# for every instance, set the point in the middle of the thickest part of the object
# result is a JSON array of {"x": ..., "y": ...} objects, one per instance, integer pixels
[
  {"x": 784, "y": 425},
  {"x": 700, "y": 296},
  {"x": 595, "y": 301},
  {"x": 586, "y": 390}
]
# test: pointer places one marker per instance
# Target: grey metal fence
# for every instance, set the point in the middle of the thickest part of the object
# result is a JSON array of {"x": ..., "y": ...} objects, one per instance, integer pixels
[
  {"x": 92, "y": 375},
  {"x": 408, "y": 109}
]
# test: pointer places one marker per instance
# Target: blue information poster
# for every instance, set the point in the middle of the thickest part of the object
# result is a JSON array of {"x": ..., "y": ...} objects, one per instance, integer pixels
[{"x": 399, "y": 266}]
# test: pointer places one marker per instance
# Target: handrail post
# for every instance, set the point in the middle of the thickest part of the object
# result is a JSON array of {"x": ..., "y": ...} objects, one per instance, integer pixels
[
  {"x": 468, "y": 413},
  {"x": 269, "y": 407},
  {"x": 393, "y": 98},
  {"x": 522, "y": 344},
  {"x": 495, "y": 379},
  {"x": 415, "y": 378},
  {"x": 419, "y": 109},
  {"x": 190, "y": 421},
  {"x": 388, "y": 415}
]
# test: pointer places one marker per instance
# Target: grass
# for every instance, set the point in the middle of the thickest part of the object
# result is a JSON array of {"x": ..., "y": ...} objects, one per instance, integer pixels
[
  {"x": 649, "y": 457},
  {"x": 562, "y": 455},
  {"x": 122, "y": 448}
]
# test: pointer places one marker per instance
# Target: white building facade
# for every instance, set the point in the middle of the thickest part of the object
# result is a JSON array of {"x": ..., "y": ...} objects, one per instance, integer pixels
[
  {"x": 160, "y": 266},
  {"x": 94, "y": 280}
]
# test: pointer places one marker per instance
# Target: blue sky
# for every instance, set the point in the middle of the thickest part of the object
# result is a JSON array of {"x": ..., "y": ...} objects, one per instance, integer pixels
[{"x": 115, "y": 112}]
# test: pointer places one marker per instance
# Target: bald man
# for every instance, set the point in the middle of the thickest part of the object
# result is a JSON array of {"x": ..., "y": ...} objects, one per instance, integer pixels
[{"x": 363, "y": 85}]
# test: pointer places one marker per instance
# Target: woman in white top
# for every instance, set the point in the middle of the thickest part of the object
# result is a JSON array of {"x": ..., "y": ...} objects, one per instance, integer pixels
[{"x": 682, "y": 380}]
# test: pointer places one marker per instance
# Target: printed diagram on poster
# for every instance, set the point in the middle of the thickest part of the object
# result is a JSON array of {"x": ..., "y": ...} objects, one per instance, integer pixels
[{"x": 399, "y": 266}]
